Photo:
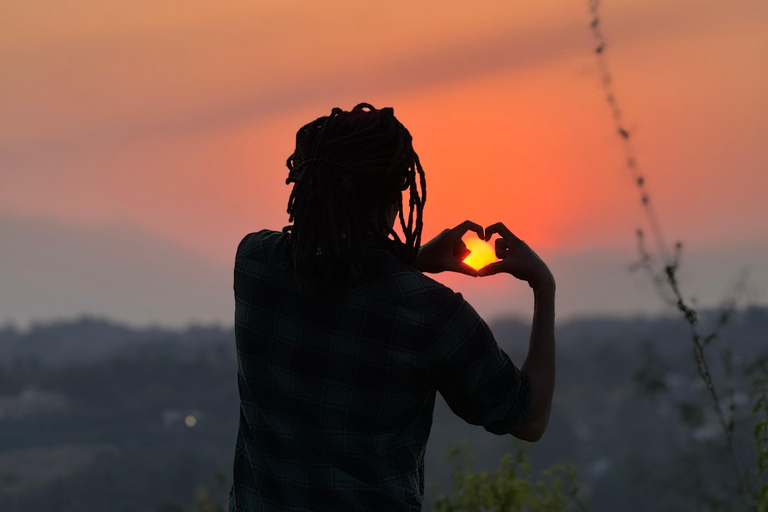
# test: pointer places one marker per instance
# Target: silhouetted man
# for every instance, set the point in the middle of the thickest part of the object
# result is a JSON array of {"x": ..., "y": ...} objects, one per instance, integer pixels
[{"x": 342, "y": 341}]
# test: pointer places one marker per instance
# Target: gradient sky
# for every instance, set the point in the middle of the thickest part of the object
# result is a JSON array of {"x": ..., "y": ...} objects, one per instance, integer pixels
[{"x": 177, "y": 116}]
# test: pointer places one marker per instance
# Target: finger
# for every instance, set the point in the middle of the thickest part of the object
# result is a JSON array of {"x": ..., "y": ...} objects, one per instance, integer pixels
[
  {"x": 468, "y": 225},
  {"x": 491, "y": 269},
  {"x": 463, "y": 268},
  {"x": 460, "y": 250},
  {"x": 501, "y": 248},
  {"x": 499, "y": 229},
  {"x": 495, "y": 229}
]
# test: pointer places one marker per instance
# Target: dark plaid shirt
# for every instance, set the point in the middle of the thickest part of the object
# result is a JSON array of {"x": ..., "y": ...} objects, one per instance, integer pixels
[{"x": 337, "y": 394}]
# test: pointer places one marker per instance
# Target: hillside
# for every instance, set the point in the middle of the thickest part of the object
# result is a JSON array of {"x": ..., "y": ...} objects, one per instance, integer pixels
[{"x": 95, "y": 416}]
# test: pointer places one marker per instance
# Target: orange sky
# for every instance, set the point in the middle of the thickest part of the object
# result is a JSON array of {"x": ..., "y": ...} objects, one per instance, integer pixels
[{"x": 177, "y": 116}]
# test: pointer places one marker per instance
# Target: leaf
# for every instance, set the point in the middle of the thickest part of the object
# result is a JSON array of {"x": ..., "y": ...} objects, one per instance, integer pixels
[
  {"x": 763, "y": 505},
  {"x": 762, "y": 462},
  {"x": 760, "y": 402},
  {"x": 760, "y": 428}
]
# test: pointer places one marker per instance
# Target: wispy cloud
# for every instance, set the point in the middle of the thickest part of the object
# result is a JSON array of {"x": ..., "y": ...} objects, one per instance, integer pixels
[{"x": 444, "y": 63}]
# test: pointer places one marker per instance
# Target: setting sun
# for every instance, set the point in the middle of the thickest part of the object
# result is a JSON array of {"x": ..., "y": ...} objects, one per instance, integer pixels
[{"x": 482, "y": 253}]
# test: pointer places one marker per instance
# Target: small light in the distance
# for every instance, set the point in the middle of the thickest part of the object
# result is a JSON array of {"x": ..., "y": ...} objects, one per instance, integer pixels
[{"x": 190, "y": 421}]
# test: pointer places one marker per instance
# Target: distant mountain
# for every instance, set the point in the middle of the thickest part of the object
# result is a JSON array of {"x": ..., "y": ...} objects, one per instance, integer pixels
[{"x": 94, "y": 341}]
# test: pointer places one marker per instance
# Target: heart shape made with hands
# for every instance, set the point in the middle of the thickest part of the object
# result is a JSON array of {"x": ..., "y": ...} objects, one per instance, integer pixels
[{"x": 482, "y": 253}]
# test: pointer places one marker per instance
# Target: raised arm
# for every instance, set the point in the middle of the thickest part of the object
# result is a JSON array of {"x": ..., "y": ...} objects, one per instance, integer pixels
[{"x": 539, "y": 367}]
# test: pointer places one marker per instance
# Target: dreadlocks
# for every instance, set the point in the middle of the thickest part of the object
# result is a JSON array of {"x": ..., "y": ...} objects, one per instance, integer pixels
[{"x": 349, "y": 169}]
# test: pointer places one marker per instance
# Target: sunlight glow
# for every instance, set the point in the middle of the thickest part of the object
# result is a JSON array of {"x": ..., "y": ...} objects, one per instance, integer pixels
[{"x": 482, "y": 253}]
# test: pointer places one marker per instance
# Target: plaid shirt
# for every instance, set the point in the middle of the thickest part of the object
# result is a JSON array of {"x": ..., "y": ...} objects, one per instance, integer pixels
[{"x": 337, "y": 394}]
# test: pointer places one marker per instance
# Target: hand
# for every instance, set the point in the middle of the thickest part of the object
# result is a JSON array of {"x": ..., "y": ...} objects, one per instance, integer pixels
[
  {"x": 446, "y": 251},
  {"x": 517, "y": 259}
]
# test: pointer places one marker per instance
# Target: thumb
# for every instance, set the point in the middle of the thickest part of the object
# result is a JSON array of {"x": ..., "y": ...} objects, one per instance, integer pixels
[
  {"x": 461, "y": 252},
  {"x": 466, "y": 269},
  {"x": 491, "y": 269}
]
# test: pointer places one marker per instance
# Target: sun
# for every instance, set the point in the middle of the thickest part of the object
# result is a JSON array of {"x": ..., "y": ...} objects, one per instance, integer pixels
[{"x": 482, "y": 253}]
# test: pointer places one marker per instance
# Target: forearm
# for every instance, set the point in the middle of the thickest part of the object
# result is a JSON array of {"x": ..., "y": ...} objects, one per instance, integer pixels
[{"x": 539, "y": 365}]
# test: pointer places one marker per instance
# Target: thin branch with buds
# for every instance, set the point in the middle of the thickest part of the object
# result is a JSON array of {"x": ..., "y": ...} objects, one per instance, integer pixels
[{"x": 663, "y": 265}]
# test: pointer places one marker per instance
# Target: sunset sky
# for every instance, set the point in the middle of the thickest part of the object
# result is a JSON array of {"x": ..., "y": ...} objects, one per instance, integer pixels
[{"x": 175, "y": 119}]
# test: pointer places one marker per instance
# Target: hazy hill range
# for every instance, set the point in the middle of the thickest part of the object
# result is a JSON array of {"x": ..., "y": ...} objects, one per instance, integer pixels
[
  {"x": 117, "y": 270},
  {"x": 96, "y": 416}
]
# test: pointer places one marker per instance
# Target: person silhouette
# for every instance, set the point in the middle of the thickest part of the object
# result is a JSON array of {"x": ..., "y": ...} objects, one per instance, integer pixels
[{"x": 343, "y": 341}]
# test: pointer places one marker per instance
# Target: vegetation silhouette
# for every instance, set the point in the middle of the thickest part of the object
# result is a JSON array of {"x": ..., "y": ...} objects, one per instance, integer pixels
[{"x": 510, "y": 488}]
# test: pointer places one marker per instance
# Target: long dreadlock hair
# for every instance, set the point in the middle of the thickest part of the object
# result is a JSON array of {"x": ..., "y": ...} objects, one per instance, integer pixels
[{"x": 349, "y": 169}]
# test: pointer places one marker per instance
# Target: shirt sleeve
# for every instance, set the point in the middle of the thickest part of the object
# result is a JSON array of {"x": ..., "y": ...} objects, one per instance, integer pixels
[{"x": 474, "y": 375}]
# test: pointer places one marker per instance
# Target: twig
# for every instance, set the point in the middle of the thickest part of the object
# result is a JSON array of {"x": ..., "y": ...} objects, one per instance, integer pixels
[{"x": 666, "y": 281}]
